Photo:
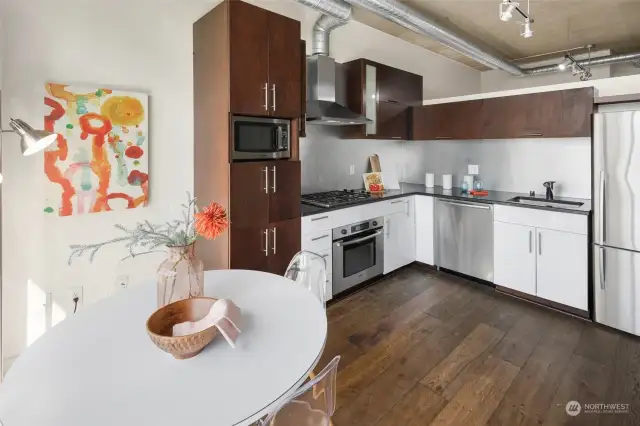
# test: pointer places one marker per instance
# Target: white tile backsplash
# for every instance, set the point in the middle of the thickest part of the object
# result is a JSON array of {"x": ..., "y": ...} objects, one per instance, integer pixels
[{"x": 507, "y": 165}]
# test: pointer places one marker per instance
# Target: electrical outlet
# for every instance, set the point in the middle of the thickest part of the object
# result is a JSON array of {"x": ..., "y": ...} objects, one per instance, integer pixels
[
  {"x": 473, "y": 169},
  {"x": 352, "y": 169},
  {"x": 73, "y": 293},
  {"x": 122, "y": 282}
]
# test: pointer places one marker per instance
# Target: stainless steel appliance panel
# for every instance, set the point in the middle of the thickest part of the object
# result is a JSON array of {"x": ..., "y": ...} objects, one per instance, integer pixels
[
  {"x": 616, "y": 277},
  {"x": 464, "y": 238},
  {"x": 358, "y": 253},
  {"x": 260, "y": 138},
  {"x": 616, "y": 179}
]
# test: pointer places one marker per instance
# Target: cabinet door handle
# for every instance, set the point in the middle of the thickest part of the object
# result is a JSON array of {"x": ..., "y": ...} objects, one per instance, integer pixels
[
  {"x": 387, "y": 228},
  {"x": 396, "y": 202},
  {"x": 396, "y": 137},
  {"x": 266, "y": 180},
  {"x": 273, "y": 90},
  {"x": 266, "y": 96},
  {"x": 531, "y": 134},
  {"x": 540, "y": 243},
  {"x": 530, "y": 240},
  {"x": 274, "y": 239},
  {"x": 266, "y": 242},
  {"x": 273, "y": 170},
  {"x": 443, "y": 137},
  {"x": 320, "y": 237},
  {"x": 319, "y": 218}
]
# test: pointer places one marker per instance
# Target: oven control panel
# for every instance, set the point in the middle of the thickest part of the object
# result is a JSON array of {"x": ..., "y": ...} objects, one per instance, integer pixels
[{"x": 356, "y": 228}]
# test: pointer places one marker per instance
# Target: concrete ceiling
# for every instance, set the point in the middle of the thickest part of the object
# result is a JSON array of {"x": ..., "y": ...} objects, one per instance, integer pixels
[{"x": 559, "y": 25}]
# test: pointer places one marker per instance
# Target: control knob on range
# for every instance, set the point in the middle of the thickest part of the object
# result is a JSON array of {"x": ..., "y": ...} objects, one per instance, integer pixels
[
  {"x": 343, "y": 232},
  {"x": 375, "y": 223}
]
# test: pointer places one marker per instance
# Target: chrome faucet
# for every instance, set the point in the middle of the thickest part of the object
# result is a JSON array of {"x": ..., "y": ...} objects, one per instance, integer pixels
[{"x": 549, "y": 186}]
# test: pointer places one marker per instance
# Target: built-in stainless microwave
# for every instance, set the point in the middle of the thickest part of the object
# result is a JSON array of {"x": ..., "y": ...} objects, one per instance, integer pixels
[{"x": 256, "y": 138}]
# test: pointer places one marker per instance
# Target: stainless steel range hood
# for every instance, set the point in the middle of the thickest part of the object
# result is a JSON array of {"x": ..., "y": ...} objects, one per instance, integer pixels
[{"x": 322, "y": 106}]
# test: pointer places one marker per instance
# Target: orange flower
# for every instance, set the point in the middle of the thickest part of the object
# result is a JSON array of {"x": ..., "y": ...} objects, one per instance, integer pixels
[{"x": 211, "y": 221}]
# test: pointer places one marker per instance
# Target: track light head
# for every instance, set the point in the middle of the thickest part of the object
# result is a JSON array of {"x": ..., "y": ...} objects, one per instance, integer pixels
[
  {"x": 506, "y": 10},
  {"x": 527, "y": 32},
  {"x": 566, "y": 63}
]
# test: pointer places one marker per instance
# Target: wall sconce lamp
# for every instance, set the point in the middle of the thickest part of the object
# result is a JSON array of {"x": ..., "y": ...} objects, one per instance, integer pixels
[{"x": 31, "y": 140}]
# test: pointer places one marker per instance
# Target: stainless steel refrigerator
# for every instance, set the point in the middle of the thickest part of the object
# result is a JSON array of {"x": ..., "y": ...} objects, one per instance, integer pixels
[{"x": 616, "y": 218}]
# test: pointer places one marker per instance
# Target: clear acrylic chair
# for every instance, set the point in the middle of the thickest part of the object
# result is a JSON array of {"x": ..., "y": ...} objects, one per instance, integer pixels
[
  {"x": 310, "y": 270},
  {"x": 312, "y": 405}
]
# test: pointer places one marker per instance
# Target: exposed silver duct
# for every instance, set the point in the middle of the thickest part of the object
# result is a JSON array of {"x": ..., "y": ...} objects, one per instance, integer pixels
[
  {"x": 410, "y": 18},
  {"x": 602, "y": 60},
  {"x": 322, "y": 31},
  {"x": 339, "y": 12},
  {"x": 335, "y": 13}
]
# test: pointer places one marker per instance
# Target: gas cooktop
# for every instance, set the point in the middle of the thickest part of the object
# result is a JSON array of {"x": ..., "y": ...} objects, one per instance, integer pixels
[{"x": 336, "y": 198}]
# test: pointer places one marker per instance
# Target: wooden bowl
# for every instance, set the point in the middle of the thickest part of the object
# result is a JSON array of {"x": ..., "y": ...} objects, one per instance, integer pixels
[{"x": 160, "y": 327}]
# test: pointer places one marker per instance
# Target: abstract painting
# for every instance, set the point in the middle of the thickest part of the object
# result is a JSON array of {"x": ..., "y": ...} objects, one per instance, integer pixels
[{"x": 100, "y": 161}]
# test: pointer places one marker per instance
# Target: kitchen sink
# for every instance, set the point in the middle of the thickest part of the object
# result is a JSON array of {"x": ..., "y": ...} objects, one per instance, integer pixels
[{"x": 535, "y": 201}]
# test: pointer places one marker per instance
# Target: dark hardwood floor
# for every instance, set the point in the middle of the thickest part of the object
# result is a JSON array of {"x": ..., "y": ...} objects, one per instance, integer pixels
[{"x": 422, "y": 347}]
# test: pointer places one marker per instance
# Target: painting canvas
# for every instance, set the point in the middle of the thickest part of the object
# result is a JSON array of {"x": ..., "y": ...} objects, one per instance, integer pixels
[{"x": 100, "y": 161}]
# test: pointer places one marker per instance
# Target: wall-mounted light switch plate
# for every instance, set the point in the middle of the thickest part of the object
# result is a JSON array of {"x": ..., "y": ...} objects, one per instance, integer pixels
[{"x": 473, "y": 169}]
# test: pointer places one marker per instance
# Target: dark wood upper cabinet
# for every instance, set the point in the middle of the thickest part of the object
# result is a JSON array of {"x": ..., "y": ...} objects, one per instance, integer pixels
[
  {"x": 284, "y": 243},
  {"x": 556, "y": 114},
  {"x": 460, "y": 120},
  {"x": 398, "y": 86},
  {"x": 249, "y": 59},
  {"x": 250, "y": 192},
  {"x": 383, "y": 94},
  {"x": 241, "y": 53},
  {"x": 577, "y": 109},
  {"x": 284, "y": 190},
  {"x": 284, "y": 66},
  {"x": 264, "y": 62},
  {"x": 393, "y": 121}
]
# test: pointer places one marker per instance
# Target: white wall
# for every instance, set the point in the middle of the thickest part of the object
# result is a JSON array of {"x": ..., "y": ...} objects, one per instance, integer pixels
[
  {"x": 517, "y": 165},
  {"x": 143, "y": 45}
]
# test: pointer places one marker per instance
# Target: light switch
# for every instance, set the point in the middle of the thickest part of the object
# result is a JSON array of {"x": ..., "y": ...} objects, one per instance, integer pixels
[{"x": 473, "y": 169}]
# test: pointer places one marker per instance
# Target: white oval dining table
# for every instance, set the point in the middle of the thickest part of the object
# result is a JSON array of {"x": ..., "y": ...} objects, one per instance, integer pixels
[{"x": 99, "y": 367}]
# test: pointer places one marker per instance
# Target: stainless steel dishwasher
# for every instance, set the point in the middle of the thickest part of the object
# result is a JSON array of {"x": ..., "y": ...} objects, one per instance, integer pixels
[{"x": 464, "y": 237}]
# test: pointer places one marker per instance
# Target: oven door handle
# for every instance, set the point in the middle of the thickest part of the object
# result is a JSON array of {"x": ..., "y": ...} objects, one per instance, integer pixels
[{"x": 359, "y": 240}]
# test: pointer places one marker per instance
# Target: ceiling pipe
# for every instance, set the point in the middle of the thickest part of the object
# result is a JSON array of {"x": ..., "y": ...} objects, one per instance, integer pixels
[
  {"x": 593, "y": 62},
  {"x": 410, "y": 18},
  {"x": 335, "y": 13},
  {"x": 338, "y": 12}
]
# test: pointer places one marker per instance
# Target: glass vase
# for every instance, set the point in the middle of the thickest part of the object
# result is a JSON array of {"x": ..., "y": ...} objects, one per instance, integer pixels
[{"x": 180, "y": 276}]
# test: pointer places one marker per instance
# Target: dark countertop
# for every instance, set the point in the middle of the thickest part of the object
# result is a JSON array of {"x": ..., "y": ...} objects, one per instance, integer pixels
[{"x": 494, "y": 197}]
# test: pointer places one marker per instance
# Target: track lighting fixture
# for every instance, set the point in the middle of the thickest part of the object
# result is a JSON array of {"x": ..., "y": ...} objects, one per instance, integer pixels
[
  {"x": 576, "y": 69},
  {"x": 564, "y": 64},
  {"x": 527, "y": 32},
  {"x": 506, "y": 9}
]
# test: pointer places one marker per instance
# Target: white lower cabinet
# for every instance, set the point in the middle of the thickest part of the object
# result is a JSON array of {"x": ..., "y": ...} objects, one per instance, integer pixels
[
  {"x": 399, "y": 236},
  {"x": 424, "y": 230},
  {"x": 548, "y": 263},
  {"x": 563, "y": 267},
  {"x": 514, "y": 257}
]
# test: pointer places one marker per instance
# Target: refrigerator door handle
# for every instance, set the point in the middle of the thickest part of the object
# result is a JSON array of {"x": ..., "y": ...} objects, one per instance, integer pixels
[
  {"x": 603, "y": 268},
  {"x": 602, "y": 209}
]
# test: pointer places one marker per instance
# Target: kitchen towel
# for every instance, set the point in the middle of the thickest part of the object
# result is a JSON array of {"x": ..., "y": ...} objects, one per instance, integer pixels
[
  {"x": 429, "y": 180},
  {"x": 447, "y": 181}
]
